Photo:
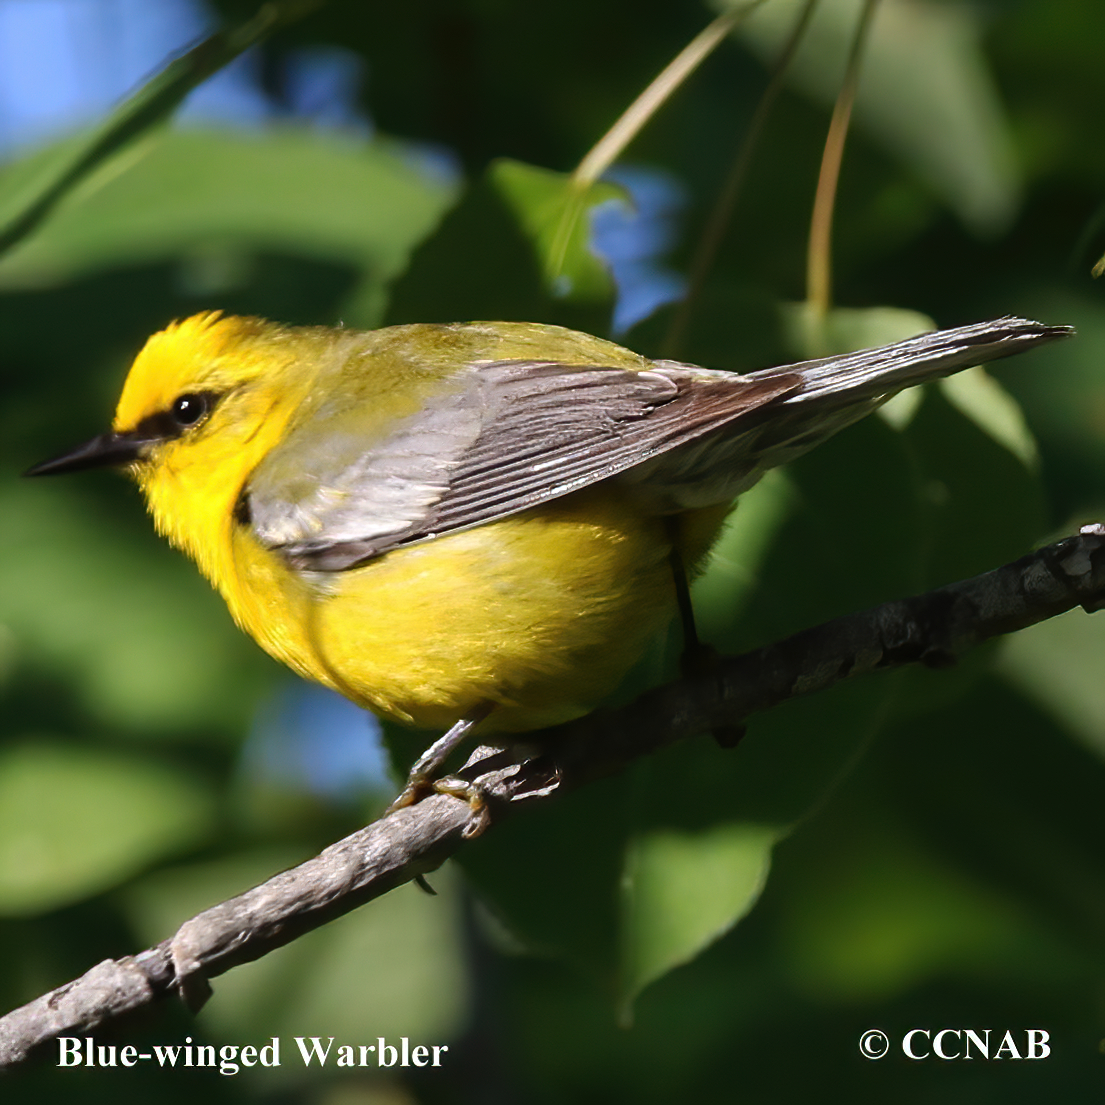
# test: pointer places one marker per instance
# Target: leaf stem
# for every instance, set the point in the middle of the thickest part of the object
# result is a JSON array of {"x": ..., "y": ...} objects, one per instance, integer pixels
[
  {"x": 819, "y": 257},
  {"x": 614, "y": 141},
  {"x": 718, "y": 223}
]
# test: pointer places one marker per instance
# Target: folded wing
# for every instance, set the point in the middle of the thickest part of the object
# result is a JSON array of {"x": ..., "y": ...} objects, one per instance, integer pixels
[
  {"x": 499, "y": 438},
  {"x": 504, "y": 436}
]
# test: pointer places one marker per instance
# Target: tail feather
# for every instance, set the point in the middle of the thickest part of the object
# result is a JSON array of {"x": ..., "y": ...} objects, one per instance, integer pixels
[
  {"x": 874, "y": 373},
  {"x": 835, "y": 392}
]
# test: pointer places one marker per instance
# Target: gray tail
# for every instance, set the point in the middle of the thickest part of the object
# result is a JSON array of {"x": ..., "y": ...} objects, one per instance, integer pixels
[{"x": 874, "y": 373}]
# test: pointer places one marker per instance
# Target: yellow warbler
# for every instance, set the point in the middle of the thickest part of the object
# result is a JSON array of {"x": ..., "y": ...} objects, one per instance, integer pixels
[{"x": 468, "y": 521}]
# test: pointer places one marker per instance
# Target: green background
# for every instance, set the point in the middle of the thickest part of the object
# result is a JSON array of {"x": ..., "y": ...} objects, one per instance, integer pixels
[{"x": 918, "y": 851}]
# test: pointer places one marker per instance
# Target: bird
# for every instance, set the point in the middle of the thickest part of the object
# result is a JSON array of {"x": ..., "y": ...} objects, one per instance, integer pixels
[{"x": 470, "y": 525}]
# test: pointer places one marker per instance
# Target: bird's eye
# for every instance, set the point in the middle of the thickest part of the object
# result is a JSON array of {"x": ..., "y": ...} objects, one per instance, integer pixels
[{"x": 187, "y": 410}]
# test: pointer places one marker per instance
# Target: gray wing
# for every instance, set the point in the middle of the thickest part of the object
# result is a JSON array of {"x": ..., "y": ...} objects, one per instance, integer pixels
[{"x": 499, "y": 438}]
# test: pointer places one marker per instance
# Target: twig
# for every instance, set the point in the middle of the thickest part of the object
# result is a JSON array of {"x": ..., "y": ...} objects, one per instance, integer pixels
[{"x": 933, "y": 628}]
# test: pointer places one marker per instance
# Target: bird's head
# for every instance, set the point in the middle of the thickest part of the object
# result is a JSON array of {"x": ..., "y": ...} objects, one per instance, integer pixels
[
  {"x": 204, "y": 380},
  {"x": 205, "y": 399}
]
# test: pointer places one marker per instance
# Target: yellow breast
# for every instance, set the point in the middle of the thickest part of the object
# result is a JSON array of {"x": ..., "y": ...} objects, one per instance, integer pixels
[{"x": 541, "y": 614}]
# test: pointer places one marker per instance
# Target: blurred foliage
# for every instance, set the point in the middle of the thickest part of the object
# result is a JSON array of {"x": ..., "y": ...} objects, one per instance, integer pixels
[
  {"x": 912, "y": 851},
  {"x": 553, "y": 212}
]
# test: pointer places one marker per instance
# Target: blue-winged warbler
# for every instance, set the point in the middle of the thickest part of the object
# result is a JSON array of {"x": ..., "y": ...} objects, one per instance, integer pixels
[{"x": 473, "y": 520}]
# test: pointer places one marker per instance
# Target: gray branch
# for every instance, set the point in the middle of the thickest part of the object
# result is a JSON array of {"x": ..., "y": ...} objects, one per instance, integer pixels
[{"x": 933, "y": 628}]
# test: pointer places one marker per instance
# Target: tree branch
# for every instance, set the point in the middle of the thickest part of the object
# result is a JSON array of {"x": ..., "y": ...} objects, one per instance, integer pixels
[{"x": 932, "y": 629}]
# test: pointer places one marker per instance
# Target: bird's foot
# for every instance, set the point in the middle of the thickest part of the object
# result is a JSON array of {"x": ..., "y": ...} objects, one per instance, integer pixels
[{"x": 421, "y": 780}]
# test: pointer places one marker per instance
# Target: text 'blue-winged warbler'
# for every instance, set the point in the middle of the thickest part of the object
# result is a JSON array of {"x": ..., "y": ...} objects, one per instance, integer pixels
[{"x": 468, "y": 521}]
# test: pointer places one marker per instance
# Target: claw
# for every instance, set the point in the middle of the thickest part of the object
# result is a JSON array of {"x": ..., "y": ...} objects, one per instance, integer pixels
[
  {"x": 420, "y": 781},
  {"x": 479, "y": 814}
]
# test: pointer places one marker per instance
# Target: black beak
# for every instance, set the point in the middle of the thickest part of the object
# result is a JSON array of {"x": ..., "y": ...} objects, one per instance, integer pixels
[{"x": 107, "y": 450}]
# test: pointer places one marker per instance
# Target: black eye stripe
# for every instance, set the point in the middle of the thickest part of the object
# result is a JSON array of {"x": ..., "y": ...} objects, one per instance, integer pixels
[{"x": 184, "y": 412}]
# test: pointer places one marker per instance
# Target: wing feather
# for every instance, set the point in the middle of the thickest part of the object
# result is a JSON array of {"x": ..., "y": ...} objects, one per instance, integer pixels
[
  {"x": 502, "y": 436},
  {"x": 499, "y": 438}
]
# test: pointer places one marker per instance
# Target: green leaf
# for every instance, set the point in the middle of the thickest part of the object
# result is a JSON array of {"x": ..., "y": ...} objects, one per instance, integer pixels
[
  {"x": 1057, "y": 664},
  {"x": 733, "y": 570},
  {"x": 971, "y": 853},
  {"x": 682, "y": 891},
  {"x": 445, "y": 281},
  {"x": 978, "y": 396},
  {"x": 893, "y": 916},
  {"x": 365, "y": 205},
  {"x": 807, "y": 334},
  {"x": 552, "y": 209},
  {"x": 925, "y": 93},
  {"x": 1061, "y": 389},
  {"x": 137, "y": 633},
  {"x": 54, "y": 175},
  {"x": 985, "y": 502},
  {"x": 551, "y": 877},
  {"x": 75, "y": 821}
]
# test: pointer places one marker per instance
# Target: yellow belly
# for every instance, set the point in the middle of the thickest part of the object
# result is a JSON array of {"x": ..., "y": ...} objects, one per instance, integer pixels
[{"x": 541, "y": 614}]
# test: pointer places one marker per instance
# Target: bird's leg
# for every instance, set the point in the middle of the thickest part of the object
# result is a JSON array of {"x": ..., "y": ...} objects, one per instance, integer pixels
[
  {"x": 698, "y": 659},
  {"x": 420, "y": 780},
  {"x": 693, "y": 649}
]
